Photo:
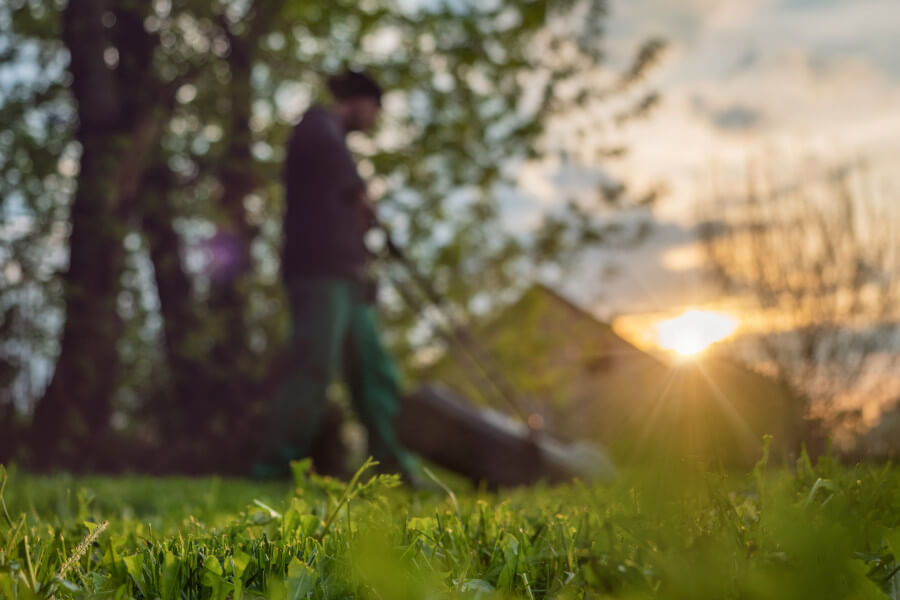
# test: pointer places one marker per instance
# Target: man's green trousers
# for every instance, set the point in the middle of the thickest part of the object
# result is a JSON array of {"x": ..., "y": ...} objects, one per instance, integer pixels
[{"x": 334, "y": 327}]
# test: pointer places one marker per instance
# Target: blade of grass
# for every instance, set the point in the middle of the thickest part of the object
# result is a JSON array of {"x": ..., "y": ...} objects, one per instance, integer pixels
[{"x": 345, "y": 497}]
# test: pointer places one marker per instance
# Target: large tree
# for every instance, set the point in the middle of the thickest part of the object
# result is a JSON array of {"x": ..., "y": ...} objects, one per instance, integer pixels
[
  {"x": 98, "y": 138},
  {"x": 119, "y": 122}
]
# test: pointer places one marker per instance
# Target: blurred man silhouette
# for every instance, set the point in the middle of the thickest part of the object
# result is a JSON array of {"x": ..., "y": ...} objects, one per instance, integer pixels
[{"x": 325, "y": 270}]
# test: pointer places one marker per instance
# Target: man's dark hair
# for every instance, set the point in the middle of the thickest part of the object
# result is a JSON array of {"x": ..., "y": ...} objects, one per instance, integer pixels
[{"x": 353, "y": 84}]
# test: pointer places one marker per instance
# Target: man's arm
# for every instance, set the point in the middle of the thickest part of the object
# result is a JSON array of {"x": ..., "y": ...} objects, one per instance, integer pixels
[{"x": 367, "y": 216}]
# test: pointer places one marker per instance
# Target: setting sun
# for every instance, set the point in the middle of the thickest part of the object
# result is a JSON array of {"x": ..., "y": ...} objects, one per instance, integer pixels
[{"x": 694, "y": 331}]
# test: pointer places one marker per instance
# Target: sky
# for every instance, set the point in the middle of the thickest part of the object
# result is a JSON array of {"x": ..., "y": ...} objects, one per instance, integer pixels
[{"x": 772, "y": 82}]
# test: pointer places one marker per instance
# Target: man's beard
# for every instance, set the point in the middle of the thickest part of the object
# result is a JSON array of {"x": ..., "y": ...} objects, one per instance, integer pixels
[{"x": 353, "y": 122}]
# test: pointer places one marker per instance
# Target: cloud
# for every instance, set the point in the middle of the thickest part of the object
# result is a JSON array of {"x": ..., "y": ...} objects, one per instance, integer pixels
[
  {"x": 714, "y": 32},
  {"x": 755, "y": 96},
  {"x": 736, "y": 116},
  {"x": 643, "y": 278}
]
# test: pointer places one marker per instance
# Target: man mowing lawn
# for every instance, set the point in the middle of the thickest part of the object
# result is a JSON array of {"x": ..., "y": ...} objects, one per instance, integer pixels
[{"x": 325, "y": 270}]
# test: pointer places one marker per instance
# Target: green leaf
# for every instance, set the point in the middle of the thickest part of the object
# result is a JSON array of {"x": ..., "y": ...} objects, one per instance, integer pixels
[
  {"x": 212, "y": 570},
  {"x": 240, "y": 560},
  {"x": 171, "y": 577},
  {"x": 68, "y": 585},
  {"x": 272, "y": 512},
  {"x": 91, "y": 525},
  {"x": 134, "y": 565},
  {"x": 213, "y": 578},
  {"x": 301, "y": 579},
  {"x": 476, "y": 585},
  {"x": 309, "y": 524},
  {"x": 300, "y": 469}
]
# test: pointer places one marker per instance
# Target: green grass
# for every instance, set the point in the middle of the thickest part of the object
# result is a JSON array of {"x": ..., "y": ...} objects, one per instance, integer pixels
[{"x": 675, "y": 531}]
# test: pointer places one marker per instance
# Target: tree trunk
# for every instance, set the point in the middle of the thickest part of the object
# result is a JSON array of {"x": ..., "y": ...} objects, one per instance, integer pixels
[
  {"x": 71, "y": 422},
  {"x": 75, "y": 410},
  {"x": 228, "y": 299},
  {"x": 182, "y": 411},
  {"x": 8, "y": 433}
]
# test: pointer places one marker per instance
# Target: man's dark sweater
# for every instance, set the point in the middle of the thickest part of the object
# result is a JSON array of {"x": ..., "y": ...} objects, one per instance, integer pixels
[{"x": 323, "y": 236}]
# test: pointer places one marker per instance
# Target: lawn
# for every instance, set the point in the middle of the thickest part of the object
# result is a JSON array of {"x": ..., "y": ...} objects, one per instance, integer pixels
[{"x": 670, "y": 531}]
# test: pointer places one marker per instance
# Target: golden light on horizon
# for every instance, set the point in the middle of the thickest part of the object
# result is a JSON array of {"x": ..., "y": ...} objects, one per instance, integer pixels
[{"x": 694, "y": 331}]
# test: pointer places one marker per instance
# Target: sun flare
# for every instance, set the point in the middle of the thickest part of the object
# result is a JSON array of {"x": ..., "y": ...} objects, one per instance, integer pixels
[{"x": 694, "y": 331}]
